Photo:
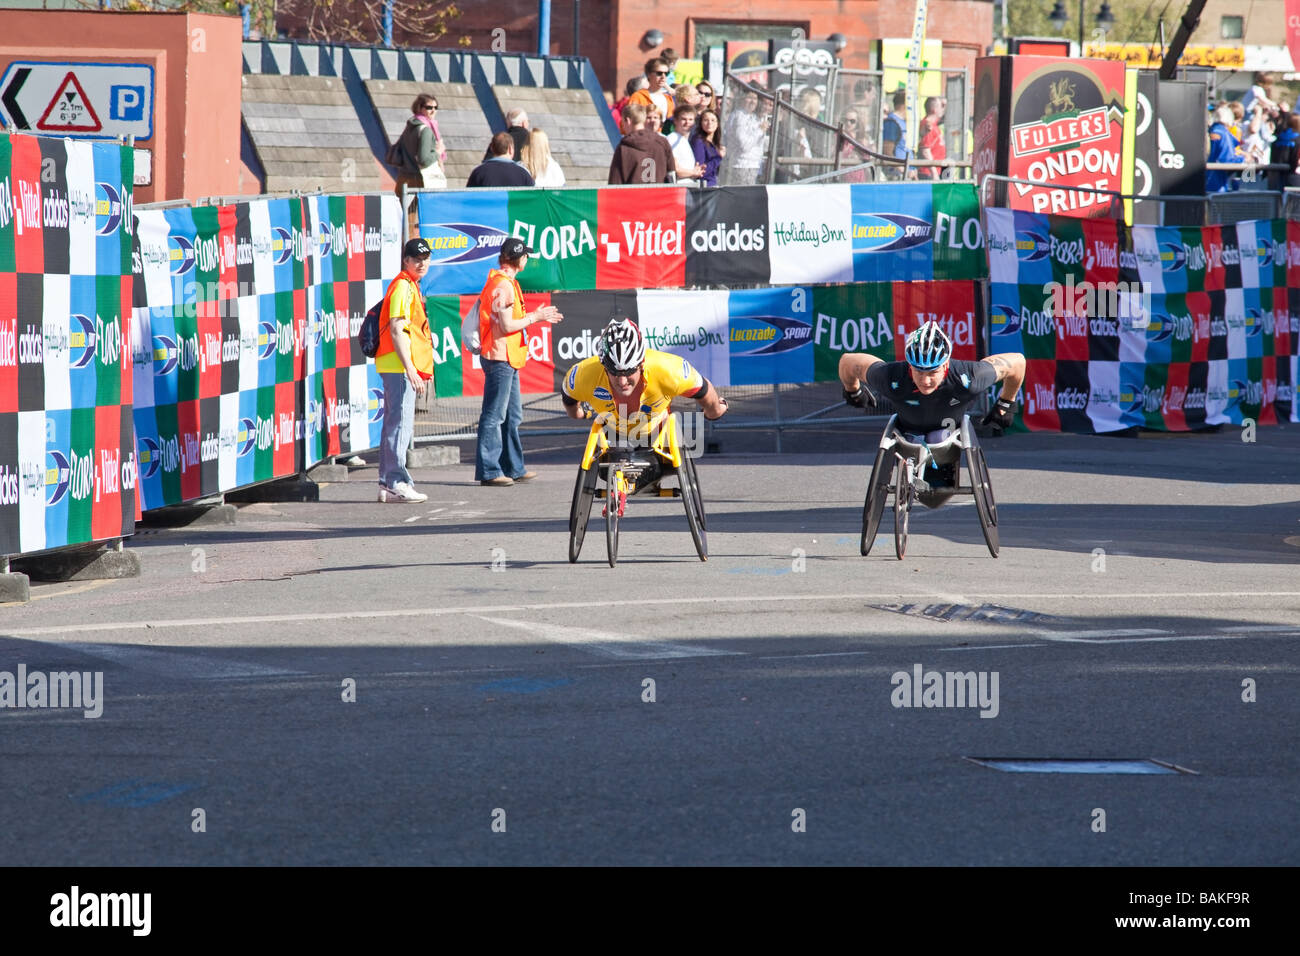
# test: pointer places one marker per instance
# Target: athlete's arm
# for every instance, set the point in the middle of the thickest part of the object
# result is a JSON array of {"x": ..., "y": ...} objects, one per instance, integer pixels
[
  {"x": 573, "y": 408},
  {"x": 1010, "y": 367},
  {"x": 853, "y": 369},
  {"x": 712, "y": 404}
]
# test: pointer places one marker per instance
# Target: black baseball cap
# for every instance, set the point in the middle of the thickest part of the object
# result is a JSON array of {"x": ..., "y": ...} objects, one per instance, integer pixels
[
  {"x": 514, "y": 249},
  {"x": 416, "y": 249}
]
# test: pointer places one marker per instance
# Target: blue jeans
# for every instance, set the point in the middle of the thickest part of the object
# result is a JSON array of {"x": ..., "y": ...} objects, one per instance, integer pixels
[
  {"x": 500, "y": 452},
  {"x": 399, "y": 428}
]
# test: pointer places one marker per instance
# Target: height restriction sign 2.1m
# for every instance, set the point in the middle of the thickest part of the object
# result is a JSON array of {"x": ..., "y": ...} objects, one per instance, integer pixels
[{"x": 92, "y": 100}]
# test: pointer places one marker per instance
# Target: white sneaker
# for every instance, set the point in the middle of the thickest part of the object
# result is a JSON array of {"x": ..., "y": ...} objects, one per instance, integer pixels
[{"x": 401, "y": 492}]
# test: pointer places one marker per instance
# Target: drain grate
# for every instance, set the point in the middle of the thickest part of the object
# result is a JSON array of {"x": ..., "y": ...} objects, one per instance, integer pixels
[
  {"x": 993, "y": 613},
  {"x": 1078, "y": 765}
]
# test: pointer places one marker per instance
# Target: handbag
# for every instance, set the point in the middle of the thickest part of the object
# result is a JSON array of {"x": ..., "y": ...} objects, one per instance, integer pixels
[{"x": 433, "y": 176}]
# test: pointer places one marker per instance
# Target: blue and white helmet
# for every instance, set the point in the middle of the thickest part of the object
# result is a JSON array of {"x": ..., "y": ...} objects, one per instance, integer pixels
[{"x": 928, "y": 347}]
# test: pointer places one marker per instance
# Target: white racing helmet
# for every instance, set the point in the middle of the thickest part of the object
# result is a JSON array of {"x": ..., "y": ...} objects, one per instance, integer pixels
[{"x": 622, "y": 347}]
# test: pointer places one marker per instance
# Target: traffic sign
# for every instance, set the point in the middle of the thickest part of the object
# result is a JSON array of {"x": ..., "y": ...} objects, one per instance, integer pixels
[{"x": 91, "y": 100}]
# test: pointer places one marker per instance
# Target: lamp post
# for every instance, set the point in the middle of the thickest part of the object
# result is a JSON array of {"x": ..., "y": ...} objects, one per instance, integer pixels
[{"x": 1105, "y": 19}]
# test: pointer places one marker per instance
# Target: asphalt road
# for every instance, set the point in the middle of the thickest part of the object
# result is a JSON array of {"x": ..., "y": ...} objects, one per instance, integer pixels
[{"x": 1145, "y": 585}]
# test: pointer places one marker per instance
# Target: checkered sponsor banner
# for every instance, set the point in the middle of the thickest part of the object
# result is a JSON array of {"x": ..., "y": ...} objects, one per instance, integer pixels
[
  {"x": 67, "y": 463},
  {"x": 1159, "y": 327},
  {"x": 615, "y": 238},
  {"x": 355, "y": 250},
  {"x": 247, "y": 366}
]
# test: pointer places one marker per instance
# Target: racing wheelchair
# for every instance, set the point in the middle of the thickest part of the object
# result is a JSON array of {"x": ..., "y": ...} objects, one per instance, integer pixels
[
  {"x": 609, "y": 472},
  {"x": 901, "y": 468}
]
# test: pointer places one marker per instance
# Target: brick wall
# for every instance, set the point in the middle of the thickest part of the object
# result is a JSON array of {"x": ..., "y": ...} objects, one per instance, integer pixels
[{"x": 611, "y": 30}]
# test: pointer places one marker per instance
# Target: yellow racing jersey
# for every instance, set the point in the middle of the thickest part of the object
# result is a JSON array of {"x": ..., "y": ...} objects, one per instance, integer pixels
[{"x": 664, "y": 377}]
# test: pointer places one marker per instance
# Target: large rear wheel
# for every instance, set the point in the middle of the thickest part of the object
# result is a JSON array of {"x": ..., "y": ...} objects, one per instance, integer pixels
[
  {"x": 694, "y": 504},
  {"x": 584, "y": 492},
  {"x": 985, "y": 506},
  {"x": 877, "y": 491}
]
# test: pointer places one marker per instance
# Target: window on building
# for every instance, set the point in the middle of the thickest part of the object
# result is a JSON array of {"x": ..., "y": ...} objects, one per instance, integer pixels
[{"x": 1230, "y": 28}]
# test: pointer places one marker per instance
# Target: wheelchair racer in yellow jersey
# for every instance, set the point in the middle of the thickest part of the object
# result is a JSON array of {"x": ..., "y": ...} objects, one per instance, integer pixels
[{"x": 635, "y": 386}]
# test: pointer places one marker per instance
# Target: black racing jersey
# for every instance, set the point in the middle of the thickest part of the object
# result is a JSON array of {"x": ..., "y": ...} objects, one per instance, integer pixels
[{"x": 961, "y": 387}]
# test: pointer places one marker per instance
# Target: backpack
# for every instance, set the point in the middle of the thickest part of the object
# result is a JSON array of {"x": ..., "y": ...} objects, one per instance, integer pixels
[
  {"x": 396, "y": 155},
  {"x": 368, "y": 337},
  {"x": 469, "y": 340}
]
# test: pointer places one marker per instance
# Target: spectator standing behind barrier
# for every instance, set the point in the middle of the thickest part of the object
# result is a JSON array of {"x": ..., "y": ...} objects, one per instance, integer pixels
[
  {"x": 893, "y": 134},
  {"x": 539, "y": 162},
  {"x": 1286, "y": 149},
  {"x": 1223, "y": 149},
  {"x": 706, "y": 144},
  {"x": 689, "y": 171},
  {"x": 499, "y": 461},
  {"x": 931, "y": 144},
  {"x": 746, "y": 134},
  {"x": 634, "y": 84},
  {"x": 517, "y": 126},
  {"x": 850, "y": 155},
  {"x": 404, "y": 362},
  {"x": 501, "y": 169},
  {"x": 669, "y": 56},
  {"x": 683, "y": 95},
  {"x": 707, "y": 100},
  {"x": 656, "y": 92},
  {"x": 421, "y": 148},
  {"x": 642, "y": 156}
]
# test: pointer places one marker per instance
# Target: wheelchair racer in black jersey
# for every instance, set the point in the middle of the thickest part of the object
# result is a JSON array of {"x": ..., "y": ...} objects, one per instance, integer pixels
[{"x": 931, "y": 391}]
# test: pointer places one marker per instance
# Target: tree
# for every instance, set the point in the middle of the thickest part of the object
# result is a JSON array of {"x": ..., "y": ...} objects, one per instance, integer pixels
[
  {"x": 1136, "y": 21},
  {"x": 415, "y": 22}
]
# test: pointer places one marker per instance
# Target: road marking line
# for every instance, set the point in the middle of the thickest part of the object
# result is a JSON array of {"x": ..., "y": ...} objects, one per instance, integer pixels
[
  {"x": 989, "y": 647},
  {"x": 181, "y": 666},
  {"x": 1261, "y": 628},
  {"x": 750, "y": 600},
  {"x": 600, "y": 643},
  {"x": 1147, "y": 640},
  {"x": 1108, "y": 633}
]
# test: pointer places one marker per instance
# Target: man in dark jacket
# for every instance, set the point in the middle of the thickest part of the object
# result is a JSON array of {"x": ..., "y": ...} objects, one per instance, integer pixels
[
  {"x": 643, "y": 156},
  {"x": 501, "y": 169}
]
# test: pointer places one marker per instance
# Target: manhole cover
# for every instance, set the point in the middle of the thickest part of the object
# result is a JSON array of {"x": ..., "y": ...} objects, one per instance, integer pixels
[{"x": 1078, "y": 765}]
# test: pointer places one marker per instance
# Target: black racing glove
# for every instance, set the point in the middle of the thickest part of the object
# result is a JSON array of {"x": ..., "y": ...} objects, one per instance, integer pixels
[
  {"x": 862, "y": 398},
  {"x": 1001, "y": 415}
]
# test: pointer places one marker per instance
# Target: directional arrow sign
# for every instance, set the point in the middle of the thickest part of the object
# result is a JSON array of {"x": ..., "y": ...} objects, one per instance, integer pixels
[{"x": 91, "y": 100}]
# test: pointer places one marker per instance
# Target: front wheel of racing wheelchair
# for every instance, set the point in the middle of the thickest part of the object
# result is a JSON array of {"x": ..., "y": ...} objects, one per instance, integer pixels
[
  {"x": 604, "y": 466},
  {"x": 898, "y": 465}
]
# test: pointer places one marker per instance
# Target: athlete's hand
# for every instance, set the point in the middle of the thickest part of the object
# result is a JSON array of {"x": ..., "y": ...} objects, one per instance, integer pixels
[
  {"x": 1002, "y": 415},
  {"x": 862, "y": 398}
]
